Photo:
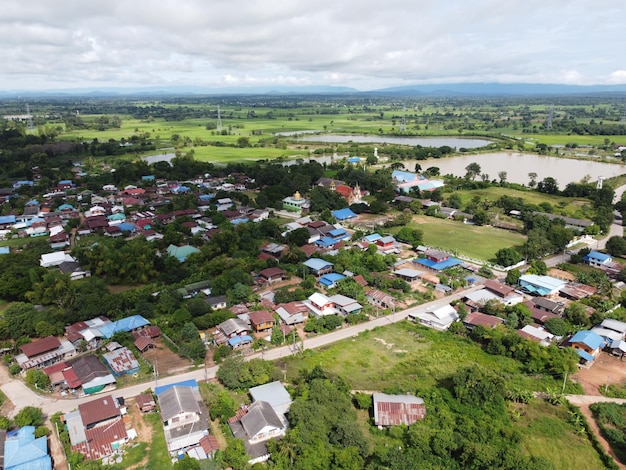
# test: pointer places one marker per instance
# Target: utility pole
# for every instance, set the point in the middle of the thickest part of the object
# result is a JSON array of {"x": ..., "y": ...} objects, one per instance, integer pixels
[{"x": 564, "y": 382}]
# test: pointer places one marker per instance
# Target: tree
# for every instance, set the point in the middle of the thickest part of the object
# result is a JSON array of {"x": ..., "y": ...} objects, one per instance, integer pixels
[
  {"x": 484, "y": 271},
  {"x": 548, "y": 185},
  {"x": 508, "y": 257},
  {"x": 576, "y": 314},
  {"x": 409, "y": 235},
  {"x": 512, "y": 277},
  {"x": 533, "y": 179},
  {"x": 502, "y": 175},
  {"x": 298, "y": 237},
  {"x": 556, "y": 326},
  {"x": 472, "y": 171},
  {"x": 616, "y": 246},
  {"x": 29, "y": 416},
  {"x": 38, "y": 378},
  {"x": 187, "y": 463}
]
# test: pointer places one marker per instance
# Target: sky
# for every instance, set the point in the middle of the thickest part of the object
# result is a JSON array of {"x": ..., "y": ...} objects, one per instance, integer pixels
[{"x": 365, "y": 44}]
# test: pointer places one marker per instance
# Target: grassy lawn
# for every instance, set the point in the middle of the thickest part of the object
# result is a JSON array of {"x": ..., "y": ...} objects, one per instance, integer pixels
[
  {"x": 464, "y": 239},
  {"x": 408, "y": 358},
  {"x": 134, "y": 455},
  {"x": 570, "y": 206},
  {"x": 158, "y": 456},
  {"x": 405, "y": 356},
  {"x": 547, "y": 433}
]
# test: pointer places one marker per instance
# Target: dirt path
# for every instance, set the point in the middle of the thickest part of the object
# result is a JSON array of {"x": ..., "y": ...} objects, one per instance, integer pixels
[
  {"x": 584, "y": 409},
  {"x": 605, "y": 369},
  {"x": 144, "y": 431},
  {"x": 56, "y": 448}
]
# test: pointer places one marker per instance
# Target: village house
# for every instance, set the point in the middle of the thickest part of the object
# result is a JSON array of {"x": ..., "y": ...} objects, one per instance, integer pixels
[
  {"x": 271, "y": 275},
  {"x": 440, "y": 318},
  {"x": 121, "y": 361},
  {"x": 481, "y": 319},
  {"x": 145, "y": 402},
  {"x": 587, "y": 344},
  {"x": 44, "y": 352},
  {"x": 396, "y": 410},
  {"x": 380, "y": 299},
  {"x": 184, "y": 416},
  {"x": 23, "y": 451},
  {"x": 292, "y": 313},
  {"x": 96, "y": 429},
  {"x": 318, "y": 266},
  {"x": 261, "y": 320}
]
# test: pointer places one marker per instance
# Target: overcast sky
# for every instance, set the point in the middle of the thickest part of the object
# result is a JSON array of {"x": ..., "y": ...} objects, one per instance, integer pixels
[{"x": 366, "y": 44}]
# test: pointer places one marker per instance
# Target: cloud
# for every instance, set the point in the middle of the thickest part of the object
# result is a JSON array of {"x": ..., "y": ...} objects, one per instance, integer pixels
[{"x": 359, "y": 43}]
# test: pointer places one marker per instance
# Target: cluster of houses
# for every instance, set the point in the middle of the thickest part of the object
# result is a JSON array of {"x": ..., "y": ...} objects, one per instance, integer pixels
[{"x": 70, "y": 362}]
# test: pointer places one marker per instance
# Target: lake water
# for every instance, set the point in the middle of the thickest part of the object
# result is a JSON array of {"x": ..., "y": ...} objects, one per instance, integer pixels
[
  {"x": 164, "y": 157},
  {"x": 454, "y": 142},
  {"x": 517, "y": 167}
]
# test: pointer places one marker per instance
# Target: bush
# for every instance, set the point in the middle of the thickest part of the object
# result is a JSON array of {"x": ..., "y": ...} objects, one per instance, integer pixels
[
  {"x": 15, "y": 369},
  {"x": 221, "y": 353}
]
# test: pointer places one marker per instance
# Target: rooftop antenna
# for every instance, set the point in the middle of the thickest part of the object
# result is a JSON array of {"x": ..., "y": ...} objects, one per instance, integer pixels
[
  {"x": 219, "y": 118},
  {"x": 29, "y": 119},
  {"x": 550, "y": 118},
  {"x": 403, "y": 121}
]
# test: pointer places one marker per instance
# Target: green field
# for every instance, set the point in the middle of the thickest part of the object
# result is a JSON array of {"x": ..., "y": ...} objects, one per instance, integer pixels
[
  {"x": 406, "y": 357},
  {"x": 460, "y": 238}
]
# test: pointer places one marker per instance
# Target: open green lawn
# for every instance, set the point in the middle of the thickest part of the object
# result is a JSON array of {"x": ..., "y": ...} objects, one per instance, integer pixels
[
  {"x": 158, "y": 456},
  {"x": 547, "y": 433},
  {"x": 461, "y": 238},
  {"x": 405, "y": 356}
]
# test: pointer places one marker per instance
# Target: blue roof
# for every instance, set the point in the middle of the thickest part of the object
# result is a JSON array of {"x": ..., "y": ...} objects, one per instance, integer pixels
[
  {"x": 7, "y": 219},
  {"x": 4, "y": 250},
  {"x": 185, "y": 383},
  {"x": 17, "y": 184},
  {"x": 403, "y": 176},
  {"x": 354, "y": 159},
  {"x": 448, "y": 263},
  {"x": 241, "y": 220},
  {"x": 235, "y": 340},
  {"x": 326, "y": 242},
  {"x": 126, "y": 227},
  {"x": 125, "y": 324},
  {"x": 338, "y": 232},
  {"x": 588, "y": 338},
  {"x": 147, "y": 178},
  {"x": 206, "y": 197},
  {"x": 343, "y": 214},
  {"x": 372, "y": 237},
  {"x": 32, "y": 202},
  {"x": 23, "y": 452},
  {"x": 65, "y": 206},
  {"x": 585, "y": 355},
  {"x": 65, "y": 182},
  {"x": 316, "y": 264},
  {"x": 597, "y": 256},
  {"x": 330, "y": 279}
]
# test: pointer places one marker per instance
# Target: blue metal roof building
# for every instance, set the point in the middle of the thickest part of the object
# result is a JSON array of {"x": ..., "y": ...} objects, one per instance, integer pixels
[
  {"x": 317, "y": 264},
  {"x": 330, "y": 280},
  {"x": 7, "y": 219},
  {"x": 403, "y": 176},
  {"x": 540, "y": 285},
  {"x": 326, "y": 242},
  {"x": 237, "y": 340},
  {"x": 23, "y": 452},
  {"x": 185, "y": 383},
  {"x": 588, "y": 338},
  {"x": 438, "y": 265},
  {"x": 343, "y": 214},
  {"x": 596, "y": 258},
  {"x": 125, "y": 324}
]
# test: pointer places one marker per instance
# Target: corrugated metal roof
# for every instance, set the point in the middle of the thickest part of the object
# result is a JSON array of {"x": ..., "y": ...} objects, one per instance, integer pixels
[{"x": 393, "y": 410}]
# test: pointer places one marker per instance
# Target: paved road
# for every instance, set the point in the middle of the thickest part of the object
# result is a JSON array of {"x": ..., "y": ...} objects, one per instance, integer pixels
[
  {"x": 580, "y": 400},
  {"x": 22, "y": 396}
]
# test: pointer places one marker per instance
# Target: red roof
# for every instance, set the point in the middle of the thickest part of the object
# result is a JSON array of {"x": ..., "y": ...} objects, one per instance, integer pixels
[
  {"x": 144, "y": 342},
  {"x": 40, "y": 346},
  {"x": 498, "y": 288},
  {"x": 269, "y": 273},
  {"x": 260, "y": 316},
  {"x": 71, "y": 378},
  {"x": 401, "y": 410},
  {"x": 58, "y": 367},
  {"x": 309, "y": 249},
  {"x": 477, "y": 318},
  {"x": 98, "y": 410},
  {"x": 145, "y": 399},
  {"x": 209, "y": 444},
  {"x": 345, "y": 191},
  {"x": 99, "y": 440},
  {"x": 360, "y": 280}
]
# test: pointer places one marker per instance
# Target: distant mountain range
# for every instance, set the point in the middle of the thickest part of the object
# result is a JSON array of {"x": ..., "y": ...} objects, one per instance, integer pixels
[{"x": 444, "y": 89}]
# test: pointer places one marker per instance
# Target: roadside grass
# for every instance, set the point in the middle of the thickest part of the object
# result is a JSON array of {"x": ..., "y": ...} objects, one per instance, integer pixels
[
  {"x": 158, "y": 456},
  {"x": 570, "y": 206},
  {"x": 135, "y": 454},
  {"x": 465, "y": 239},
  {"x": 546, "y": 432},
  {"x": 406, "y": 357}
]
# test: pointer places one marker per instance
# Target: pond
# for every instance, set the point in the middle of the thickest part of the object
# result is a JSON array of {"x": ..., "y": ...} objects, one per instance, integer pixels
[
  {"x": 454, "y": 142},
  {"x": 518, "y": 165}
]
